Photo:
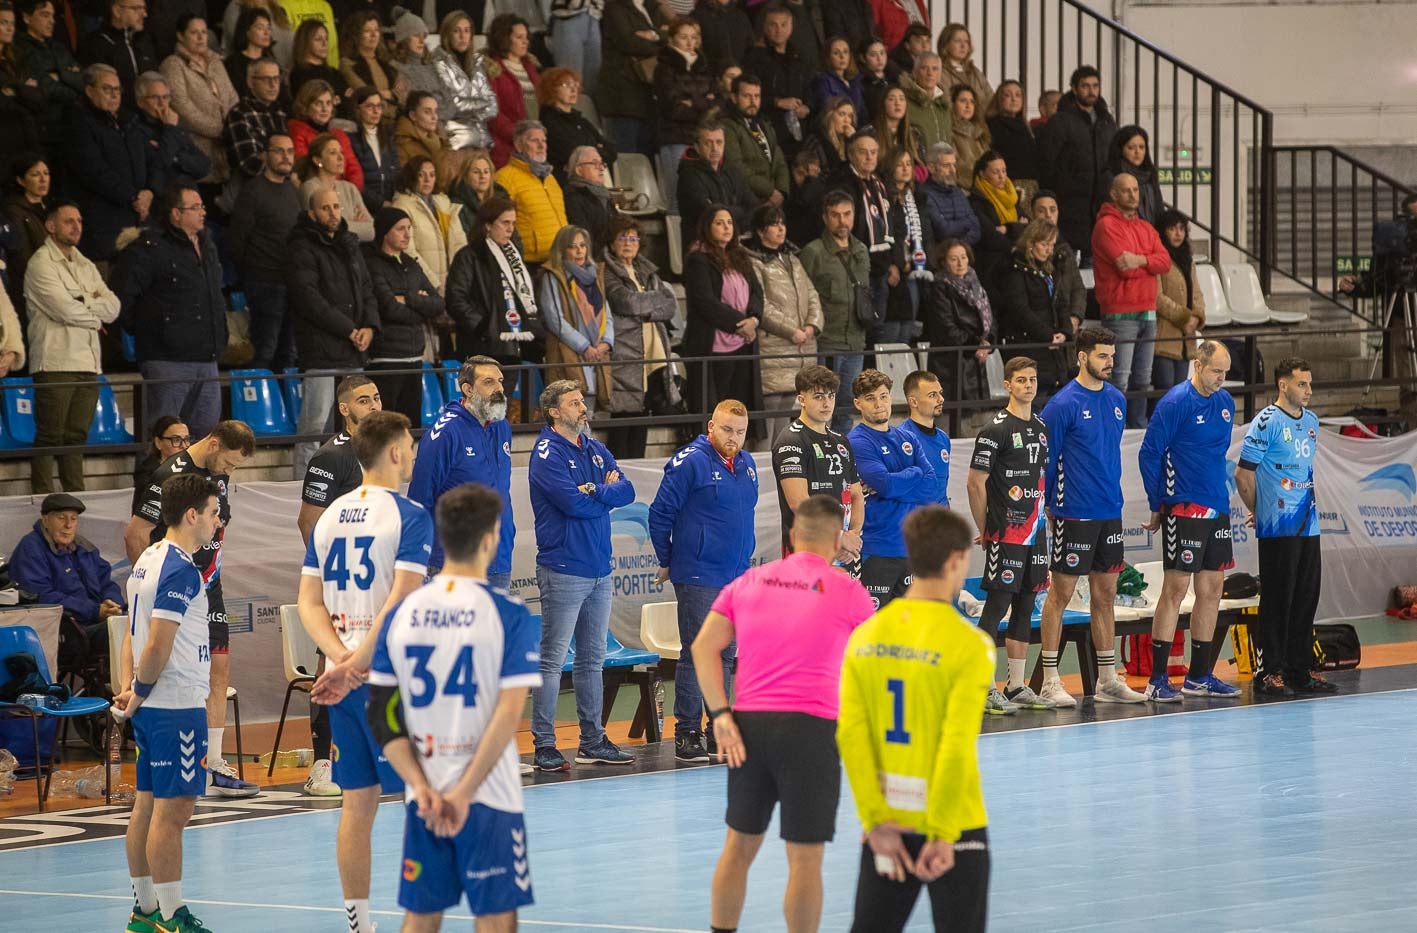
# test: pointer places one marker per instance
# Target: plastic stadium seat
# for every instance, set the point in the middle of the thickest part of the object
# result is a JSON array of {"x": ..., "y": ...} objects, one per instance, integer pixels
[
  {"x": 1242, "y": 290},
  {"x": 301, "y": 658},
  {"x": 107, "y": 426},
  {"x": 659, "y": 629},
  {"x": 897, "y": 366},
  {"x": 1217, "y": 307},
  {"x": 633, "y": 170},
  {"x": 130, "y": 347},
  {"x": 256, "y": 399},
  {"x": 432, "y": 395},
  {"x": 18, "y": 406},
  {"x": 293, "y": 389},
  {"x": 450, "y": 369}
]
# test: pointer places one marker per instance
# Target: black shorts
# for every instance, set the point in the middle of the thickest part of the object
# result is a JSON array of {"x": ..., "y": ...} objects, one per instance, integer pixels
[
  {"x": 1081, "y": 547},
  {"x": 1192, "y": 544},
  {"x": 959, "y": 899},
  {"x": 885, "y": 578},
  {"x": 792, "y": 760},
  {"x": 1015, "y": 568},
  {"x": 218, "y": 631}
]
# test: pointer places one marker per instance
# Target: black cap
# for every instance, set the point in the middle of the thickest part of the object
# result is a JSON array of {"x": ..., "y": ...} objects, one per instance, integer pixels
[{"x": 61, "y": 502}]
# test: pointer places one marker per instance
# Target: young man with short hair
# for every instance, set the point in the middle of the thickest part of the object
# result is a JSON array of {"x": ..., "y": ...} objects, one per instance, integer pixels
[
  {"x": 925, "y": 398},
  {"x": 897, "y": 478},
  {"x": 914, "y": 677},
  {"x": 167, "y": 669},
  {"x": 1006, "y": 500}
]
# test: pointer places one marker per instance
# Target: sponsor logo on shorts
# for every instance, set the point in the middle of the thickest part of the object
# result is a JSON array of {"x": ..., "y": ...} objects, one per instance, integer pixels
[
  {"x": 1114, "y": 539},
  {"x": 1071, "y": 560},
  {"x": 412, "y": 869},
  {"x": 1007, "y": 576}
]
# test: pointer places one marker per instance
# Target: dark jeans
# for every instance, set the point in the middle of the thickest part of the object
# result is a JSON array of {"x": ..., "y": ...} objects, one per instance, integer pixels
[
  {"x": 630, "y": 134},
  {"x": 403, "y": 392},
  {"x": 62, "y": 415},
  {"x": 272, "y": 333},
  {"x": 192, "y": 395},
  {"x": 1166, "y": 372},
  {"x": 694, "y": 605}
]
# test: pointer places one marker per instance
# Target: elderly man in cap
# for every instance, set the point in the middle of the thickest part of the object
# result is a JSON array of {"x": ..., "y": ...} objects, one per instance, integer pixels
[{"x": 60, "y": 566}]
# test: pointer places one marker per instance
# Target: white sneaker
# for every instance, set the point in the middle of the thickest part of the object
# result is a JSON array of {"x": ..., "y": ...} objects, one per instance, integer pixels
[
  {"x": 1116, "y": 691},
  {"x": 1054, "y": 692},
  {"x": 320, "y": 783},
  {"x": 527, "y": 769},
  {"x": 223, "y": 781}
]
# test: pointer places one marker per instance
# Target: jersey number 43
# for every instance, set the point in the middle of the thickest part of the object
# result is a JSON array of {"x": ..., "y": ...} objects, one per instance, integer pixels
[{"x": 337, "y": 563}]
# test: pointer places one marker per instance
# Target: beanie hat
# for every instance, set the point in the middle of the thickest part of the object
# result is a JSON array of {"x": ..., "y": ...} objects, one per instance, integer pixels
[
  {"x": 384, "y": 220},
  {"x": 408, "y": 25}
]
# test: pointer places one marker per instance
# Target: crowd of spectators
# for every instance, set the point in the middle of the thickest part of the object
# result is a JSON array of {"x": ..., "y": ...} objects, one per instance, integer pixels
[{"x": 384, "y": 193}]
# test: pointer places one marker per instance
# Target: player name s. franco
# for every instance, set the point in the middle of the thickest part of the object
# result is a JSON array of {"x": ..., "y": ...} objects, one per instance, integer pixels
[
  {"x": 442, "y": 618},
  {"x": 901, "y": 652}
]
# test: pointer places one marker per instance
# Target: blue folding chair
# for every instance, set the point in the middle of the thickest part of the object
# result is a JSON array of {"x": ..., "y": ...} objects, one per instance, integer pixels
[
  {"x": 107, "y": 426},
  {"x": 15, "y": 639},
  {"x": 293, "y": 389},
  {"x": 451, "y": 391},
  {"x": 256, "y": 400},
  {"x": 130, "y": 346},
  {"x": 432, "y": 395},
  {"x": 18, "y": 407}
]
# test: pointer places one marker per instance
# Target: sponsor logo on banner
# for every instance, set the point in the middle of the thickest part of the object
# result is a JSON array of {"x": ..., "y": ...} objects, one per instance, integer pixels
[{"x": 1385, "y": 504}]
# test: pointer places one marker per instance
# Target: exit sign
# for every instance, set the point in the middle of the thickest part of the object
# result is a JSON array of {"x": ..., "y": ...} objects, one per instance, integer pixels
[
  {"x": 1200, "y": 175},
  {"x": 1352, "y": 265}
]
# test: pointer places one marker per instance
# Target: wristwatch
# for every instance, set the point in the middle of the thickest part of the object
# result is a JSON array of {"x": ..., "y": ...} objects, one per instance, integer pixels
[{"x": 715, "y": 713}]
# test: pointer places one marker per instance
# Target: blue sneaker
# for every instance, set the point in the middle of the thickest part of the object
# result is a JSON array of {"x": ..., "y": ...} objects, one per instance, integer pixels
[
  {"x": 1161, "y": 691},
  {"x": 549, "y": 759},
  {"x": 605, "y": 752},
  {"x": 1209, "y": 686}
]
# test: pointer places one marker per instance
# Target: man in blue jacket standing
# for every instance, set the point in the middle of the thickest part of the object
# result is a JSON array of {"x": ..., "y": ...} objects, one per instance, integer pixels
[
  {"x": 701, "y": 523},
  {"x": 575, "y": 483},
  {"x": 471, "y": 442}
]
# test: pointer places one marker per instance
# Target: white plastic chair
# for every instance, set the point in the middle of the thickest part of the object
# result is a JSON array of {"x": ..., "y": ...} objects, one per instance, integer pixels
[
  {"x": 117, "y": 628},
  {"x": 897, "y": 365},
  {"x": 1242, "y": 290},
  {"x": 1217, "y": 306},
  {"x": 301, "y": 658},
  {"x": 674, "y": 233},
  {"x": 659, "y": 629},
  {"x": 634, "y": 170}
]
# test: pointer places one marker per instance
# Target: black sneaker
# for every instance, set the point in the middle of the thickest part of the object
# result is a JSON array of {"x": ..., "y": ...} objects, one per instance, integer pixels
[
  {"x": 690, "y": 748},
  {"x": 1272, "y": 685},
  {"x": 549, "y": 759},
  {"x": 605, "y": 753},
  {"x": 1316, "y": 685}
]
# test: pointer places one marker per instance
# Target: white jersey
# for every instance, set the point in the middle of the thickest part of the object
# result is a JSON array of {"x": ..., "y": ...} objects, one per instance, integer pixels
[
  {"x": 360, "y": 540},
  {"x": 450, "y": 648},
  {"x": 165, "y": 584}
]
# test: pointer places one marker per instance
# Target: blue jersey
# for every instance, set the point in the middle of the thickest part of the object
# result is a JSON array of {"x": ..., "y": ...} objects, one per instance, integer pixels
[
  {"x": 896, "y": 477},
  {"x": 1280, "y": 449},
  {"x": 935, "y": 443},
  {"x": 459, "y": 449},
  {"x": 701, "y": 520},
  {"x": 1182, "y": 456},
  {"x": 451, "y": 647},
  {"x": 1084, "y": 476},
  {"x": 165, "y": 584},
  {"x": 357, "y": 545}
]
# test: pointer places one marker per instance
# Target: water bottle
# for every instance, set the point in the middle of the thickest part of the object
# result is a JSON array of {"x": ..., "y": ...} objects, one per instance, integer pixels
[
  {"x": 89, "y": 787},
  {"x": 659, "y": 704},
  {"x": 115, "y": 754}
]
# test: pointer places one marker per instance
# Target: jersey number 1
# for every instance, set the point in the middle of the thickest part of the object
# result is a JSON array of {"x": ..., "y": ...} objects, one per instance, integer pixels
[
  {"x": 462, "y": 679},
  {"x": 896, "y": 733},
  {"x": 337, "y": 563}
]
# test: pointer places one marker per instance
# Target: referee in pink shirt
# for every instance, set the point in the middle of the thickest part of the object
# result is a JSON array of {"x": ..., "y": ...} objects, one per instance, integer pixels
[{"x": 791, "y": 619}]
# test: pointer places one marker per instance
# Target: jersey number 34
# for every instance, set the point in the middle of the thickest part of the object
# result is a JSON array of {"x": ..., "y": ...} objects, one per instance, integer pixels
[{"x": 462, "y": 679}]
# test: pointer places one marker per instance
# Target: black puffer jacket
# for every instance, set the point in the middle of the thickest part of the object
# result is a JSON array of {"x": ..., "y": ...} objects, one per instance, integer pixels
[
  {"x": 400, "y": 335},
  {"x": 172, "y": 300},
  {"x": 700, "y": 185},
  {"x": 565, "y": 133},
  {"x": 685, "y": 93},
  {"x": 330, "y": 294},
  {"x": 1031, "y": 310},
  {"x": 620, "y": 92},
  {"x": 477, "y": 304},
  {"x": 1073, "y": 154},
  {"x": 107, "y": 159},
  {"x": 727, "y": 32}
]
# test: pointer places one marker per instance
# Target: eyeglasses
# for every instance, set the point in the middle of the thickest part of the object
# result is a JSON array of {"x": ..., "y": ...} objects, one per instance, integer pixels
[
  {"x": 571, "y": 84},
  {"x": 627, "y": 239},
  {"x": 193, "y": 207},
  {"x": 181, "y": 440},
  {"x": 596, "y": 164},
  {"x": 266, "y": 79},
  {"x": 110, "y": 89}
]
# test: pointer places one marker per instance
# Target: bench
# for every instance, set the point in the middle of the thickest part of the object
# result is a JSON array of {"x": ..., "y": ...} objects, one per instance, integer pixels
[{"x": 623, "y": 666}]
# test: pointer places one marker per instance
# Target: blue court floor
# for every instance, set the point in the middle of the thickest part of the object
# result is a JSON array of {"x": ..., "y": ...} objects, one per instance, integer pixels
[{"x": 1283, "y": 817}]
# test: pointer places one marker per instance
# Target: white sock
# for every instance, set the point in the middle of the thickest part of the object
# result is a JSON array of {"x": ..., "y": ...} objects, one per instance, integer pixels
[
  {"x": 1106, "y": 667},
  {"x": 1016, "y": 666},
  {"x": 214, "y": 737},
  {"x": 169, "y": 898},
  {"x": 1050, "y": 667},
  {"x": 357, "y": 911},
  {"x": 145, "y": 894}
]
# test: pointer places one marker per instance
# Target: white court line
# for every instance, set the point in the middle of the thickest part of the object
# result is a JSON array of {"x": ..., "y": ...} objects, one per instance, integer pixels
[{"x": 341, "y": 910}]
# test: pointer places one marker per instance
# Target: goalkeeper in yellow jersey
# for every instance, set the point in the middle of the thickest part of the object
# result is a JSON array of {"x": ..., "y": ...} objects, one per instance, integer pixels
[{"x": 914, "y": 679}]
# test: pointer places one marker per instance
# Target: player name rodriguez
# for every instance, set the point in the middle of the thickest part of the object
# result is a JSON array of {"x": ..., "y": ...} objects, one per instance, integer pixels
[{"x": 901, "y": 652}]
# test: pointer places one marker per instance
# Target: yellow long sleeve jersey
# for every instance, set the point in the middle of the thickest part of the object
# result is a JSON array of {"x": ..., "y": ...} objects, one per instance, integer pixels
[{"x": 913, "y": 686}]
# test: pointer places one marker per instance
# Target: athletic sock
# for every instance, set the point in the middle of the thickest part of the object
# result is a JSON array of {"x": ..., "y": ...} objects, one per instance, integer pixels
[
  {"x": 358, "y": 912},
  {"x": 1160, "y": 657},
  {"x": 1200, "y": 659},
  {"x": 1050, "y": 667},
  {"x": 214, "y": 737},
  {"x": 169, "y": 898},
  {"x": 1106, "y": 667},
  {"x": 144, "y": 894},
  {"x": 1016, "y": 669}
]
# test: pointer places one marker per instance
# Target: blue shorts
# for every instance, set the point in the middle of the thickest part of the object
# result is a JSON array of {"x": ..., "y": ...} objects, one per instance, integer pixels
[
  {"x": 487, "y": 861},
  {"x": 172, "y": 751},
  {"x": 356, "y": 759}
]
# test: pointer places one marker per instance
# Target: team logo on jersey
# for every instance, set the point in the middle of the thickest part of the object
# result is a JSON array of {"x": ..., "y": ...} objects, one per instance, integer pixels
[
  {"x": 221, "y": 487},
  {"x": 1200, "y": 419},
  {"x": 412, "y": 869},
  {"x": 1018, "y": 440},
  {"x": 1007, "y": 576},
  {"x": 717, "y": 476},
  {"x": 1312, "y": 434},
  {"x": 817, "y": 450},
  {"x": 1116, "y": 410},
  {"x": 1225, "y": 414},
  {"x": 841, "y": 449},
  {"x": 752, "y": 474},
  {"x": 908, "y": 448},
  {"x": 1086, "y": 415},
  {"x": 1015, "y": 493},
  {"x": 819, "y": 586},
  {"x": 944, "y": 456},
  {"x": 1187, "y": 556},
  {"x": 507, "y": 448},
  {"x": 1287, "y": 436},
  {"x": 471, "y": 452},
  {"x": 598, "y": 460},
  {"x": 1071, "y": 560}
]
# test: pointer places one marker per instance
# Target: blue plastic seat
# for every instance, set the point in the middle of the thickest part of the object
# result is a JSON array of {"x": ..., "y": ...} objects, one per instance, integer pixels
[
  {"x": 293, "y": 389},
  {"x": 256, "y": 399},
  {"x": 130, "y": 346},
  {"x": 21, "y": 638},
  {"x": 432, "y": 395},
  {"x": 617, "y": 655},
  {"x": 107, "y": 426},
  {"x": 18, "y": 407},
  {"x": 450, "y": 370}
]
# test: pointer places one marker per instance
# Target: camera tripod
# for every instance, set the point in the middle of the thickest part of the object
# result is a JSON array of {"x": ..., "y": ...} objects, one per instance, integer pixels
[{"x": 1407, "y": 298}]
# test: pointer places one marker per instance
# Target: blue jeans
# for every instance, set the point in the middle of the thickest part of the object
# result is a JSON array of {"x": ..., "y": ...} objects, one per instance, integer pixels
[
  {"x": 575, "y": 44},
  {"x": 1166, "y": 372},
  {"x": 847, "y": 367},
  {"x": 1131, "y": 371},
  {"x": 694, "y": 605},
  {"x": 194, "y": 397},
  {"x": 580, "y": 607},
  {"x": 272, "y": 334},
  {"x": 630, "y": 134},
  {"x": 502, "y": 581},
  {"x": 669, "y": 157}
]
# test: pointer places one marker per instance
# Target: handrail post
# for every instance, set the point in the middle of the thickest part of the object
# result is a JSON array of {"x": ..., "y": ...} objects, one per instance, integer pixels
[
  {"x": 1023, "y": 42},
  {"x": 1268, "y": 207},
  {"x": 1216, "y": 226}
]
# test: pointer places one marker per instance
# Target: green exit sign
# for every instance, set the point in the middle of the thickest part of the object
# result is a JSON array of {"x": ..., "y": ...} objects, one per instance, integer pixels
[
  {"x": 1352, "y": 265},
  {"x": 1200, "y": 175}
]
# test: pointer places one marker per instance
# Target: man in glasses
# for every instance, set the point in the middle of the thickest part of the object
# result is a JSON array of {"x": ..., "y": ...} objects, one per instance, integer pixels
[
  {"x": 106, "y": 164},
  {"x": 173, "y": 156},
  {"x": 587, "y": 197},
  {"x": 121, "y": 43},
  {"x": 256, "y": 117}
]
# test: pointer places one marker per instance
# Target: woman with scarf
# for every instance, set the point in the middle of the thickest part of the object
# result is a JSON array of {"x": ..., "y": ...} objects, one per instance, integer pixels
[
  {"x": 995, "y": 202},
  {"x": 466, "y": 100},
  {"x": 914, "y": 245},
  {"x": 579, "y": 335},
  {"x": 792, "y": 312},
  {"x": 471, "y": 184},
  {"x": 641, "y": 306},
  {"x": 724, "y": 306},
  {"x": 835, "y": 126},
  {"x": 1180, "y": 306},
  {"x": 958, "y": 314},
  {"x": 1130, "y": 152},
  {"x": 891, "y": 126},
  {"x": 490, "y": 294},
  {"x": 1032, "y": 309}
]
